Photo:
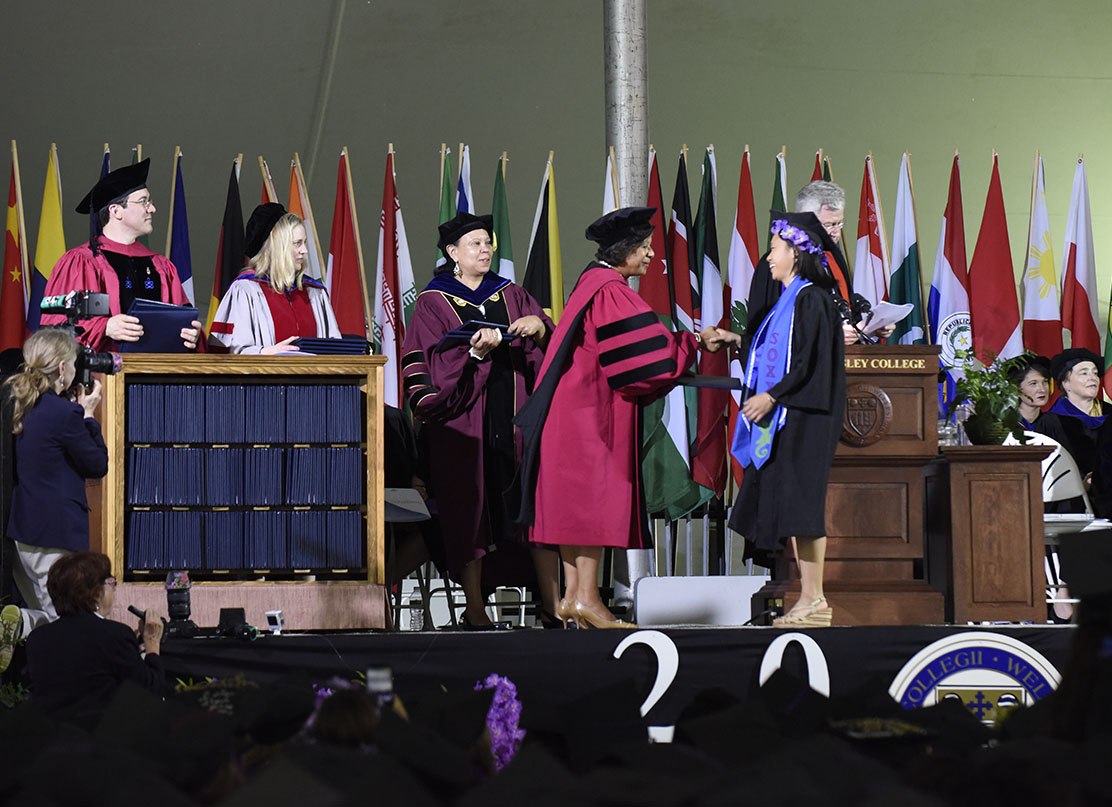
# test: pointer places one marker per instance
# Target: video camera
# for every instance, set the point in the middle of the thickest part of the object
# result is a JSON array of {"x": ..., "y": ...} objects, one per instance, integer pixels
[{"x": 78, "y": 305}]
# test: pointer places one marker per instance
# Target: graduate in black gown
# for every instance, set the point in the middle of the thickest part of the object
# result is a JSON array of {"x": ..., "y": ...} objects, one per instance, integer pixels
[{"x": 792, "y": 414}]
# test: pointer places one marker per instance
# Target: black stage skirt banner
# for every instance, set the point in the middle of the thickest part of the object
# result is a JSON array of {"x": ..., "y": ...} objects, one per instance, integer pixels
[{"x": 989, "y": 669}]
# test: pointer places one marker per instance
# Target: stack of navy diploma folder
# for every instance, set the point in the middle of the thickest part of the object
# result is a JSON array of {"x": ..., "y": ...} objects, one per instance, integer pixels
[
  {"x": 162, "y": 324},
  {"x": 345, "y": 346},
  {"x": 245, "y": 476}
]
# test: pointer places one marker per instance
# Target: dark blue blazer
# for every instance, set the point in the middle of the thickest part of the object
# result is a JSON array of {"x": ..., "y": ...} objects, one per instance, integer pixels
[
  {"x": 58, "y": 449},
  {"x": 83, "y": 659}
]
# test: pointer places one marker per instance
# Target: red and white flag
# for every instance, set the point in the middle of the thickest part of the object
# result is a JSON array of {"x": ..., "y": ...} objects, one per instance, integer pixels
[
  {"x": 1079, "y": 270},
  {"x": 1042, "y": 319},
  {"x": 395, "y": 294},
  {"x": 344, "y": 276},
  {"x": 816, "y": 172},
  {"x": 740, "y": 264},
  {"x": 992, "y": 290},
  {"x": 872, "y": 267}
]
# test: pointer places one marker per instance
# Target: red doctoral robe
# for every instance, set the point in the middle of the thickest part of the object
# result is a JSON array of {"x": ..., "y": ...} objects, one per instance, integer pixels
[
  {"x": 78, "y": 270},
  {"x": 589, "y": 474}
]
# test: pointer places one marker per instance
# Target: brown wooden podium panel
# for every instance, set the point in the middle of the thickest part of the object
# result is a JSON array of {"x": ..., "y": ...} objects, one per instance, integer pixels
[
  {"x": 891, "y": 401},
  {"x": 986, "y": 532},
  {"x": 875, "y": 570}
]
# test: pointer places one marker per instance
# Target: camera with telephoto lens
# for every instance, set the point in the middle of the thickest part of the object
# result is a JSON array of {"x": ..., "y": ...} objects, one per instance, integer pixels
[{"x": 78, "y": 305}]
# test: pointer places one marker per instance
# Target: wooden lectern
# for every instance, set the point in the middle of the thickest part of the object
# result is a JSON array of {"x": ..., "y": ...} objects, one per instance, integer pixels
[{"x": 875, "y": 557}]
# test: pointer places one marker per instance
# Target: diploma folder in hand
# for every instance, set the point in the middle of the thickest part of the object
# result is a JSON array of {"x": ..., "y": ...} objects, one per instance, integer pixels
[
  {"x": 162, "y": 324},
  {"x": 462, "y": 335}
]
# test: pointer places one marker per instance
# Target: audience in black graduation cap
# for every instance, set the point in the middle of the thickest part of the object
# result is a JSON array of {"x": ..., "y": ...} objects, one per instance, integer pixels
[{"x": 77, "y": 663}]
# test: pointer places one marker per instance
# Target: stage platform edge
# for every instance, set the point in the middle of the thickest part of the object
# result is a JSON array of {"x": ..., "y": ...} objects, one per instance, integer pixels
[{"x": 331, "y": 605}]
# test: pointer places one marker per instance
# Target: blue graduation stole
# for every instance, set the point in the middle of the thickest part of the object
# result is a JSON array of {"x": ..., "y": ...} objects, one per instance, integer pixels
[{"x": 769, "y": 356}]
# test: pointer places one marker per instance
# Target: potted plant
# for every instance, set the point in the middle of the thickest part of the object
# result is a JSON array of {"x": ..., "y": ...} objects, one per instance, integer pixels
[{"x": 988, "y": 388}]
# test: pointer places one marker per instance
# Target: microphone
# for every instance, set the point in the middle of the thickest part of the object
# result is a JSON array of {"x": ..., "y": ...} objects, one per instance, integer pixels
[
  {"x": 141, "y": 614},
  {"x": 861, "y": 306}
]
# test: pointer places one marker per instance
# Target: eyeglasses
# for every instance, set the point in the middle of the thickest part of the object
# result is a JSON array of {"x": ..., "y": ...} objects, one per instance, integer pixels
[
  {"x": 833, "y": 228},
  {"x": 146, "y": 203},
  {"x": 111, "y": 581}
]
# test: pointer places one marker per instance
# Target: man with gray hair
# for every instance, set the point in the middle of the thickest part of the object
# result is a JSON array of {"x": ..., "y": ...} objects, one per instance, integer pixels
[{"x": 828, "y": 202}]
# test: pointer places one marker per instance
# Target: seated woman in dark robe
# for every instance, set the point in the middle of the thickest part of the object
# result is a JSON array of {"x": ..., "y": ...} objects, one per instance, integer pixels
[
  {"x": 1033, "y": 379},
  {"x": 792, "y": 416},
  {"x": 1078, "y": 417}
]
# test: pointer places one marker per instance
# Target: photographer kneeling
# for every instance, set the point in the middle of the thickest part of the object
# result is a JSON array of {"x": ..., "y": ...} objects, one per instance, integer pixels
[
  {"x": 79, "y": 661},
  {"x": 58, "y": 446}
]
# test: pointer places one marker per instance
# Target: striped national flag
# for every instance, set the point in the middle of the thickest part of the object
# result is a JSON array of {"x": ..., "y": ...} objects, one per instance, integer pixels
[
  {"x": 500, "y": 212},
  {"x": 906, "y": 284},
  {"x": 1079, "y": 271},
  {"x": 230, "y": 259},
  {"x": 1042, "y": 316},
  {"x": 544, "y": 275},
  {"x": 948, "y": 304}
]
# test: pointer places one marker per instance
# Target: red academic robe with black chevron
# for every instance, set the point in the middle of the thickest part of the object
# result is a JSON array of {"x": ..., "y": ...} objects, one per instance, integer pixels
[{"x": 589, "y": 476}]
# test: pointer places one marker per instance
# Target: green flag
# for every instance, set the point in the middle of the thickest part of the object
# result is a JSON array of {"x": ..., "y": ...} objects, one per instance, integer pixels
[
  {"x": 904, "y": 286},
  {"x": 503, "y": 247}
]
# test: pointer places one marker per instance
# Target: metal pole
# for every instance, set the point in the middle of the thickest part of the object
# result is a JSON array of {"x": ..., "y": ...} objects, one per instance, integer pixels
[
  {"x": 627, "y": 130},
  {"x": 627, "y": 110}
]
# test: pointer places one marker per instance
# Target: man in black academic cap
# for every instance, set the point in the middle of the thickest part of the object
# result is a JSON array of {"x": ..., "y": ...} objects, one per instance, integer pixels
[{"x": 120, "y": 209}]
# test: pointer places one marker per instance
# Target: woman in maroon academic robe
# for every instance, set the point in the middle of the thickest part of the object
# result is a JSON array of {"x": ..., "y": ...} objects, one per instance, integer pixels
[
  {"x": 467, "y": 391},
  {"x": 609, "y": 356}
]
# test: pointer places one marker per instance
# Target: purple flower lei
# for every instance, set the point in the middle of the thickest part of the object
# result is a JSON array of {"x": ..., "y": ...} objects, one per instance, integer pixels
[
  {"x": 502, "y": 719},
  {"x": 796, "y": 236}
]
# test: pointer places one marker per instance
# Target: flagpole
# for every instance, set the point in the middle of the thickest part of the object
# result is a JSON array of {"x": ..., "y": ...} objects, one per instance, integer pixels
[
  {"x": 924, "y": 293},
  {"x": 307, "y": 209},
  {"x": 268, "y": 181},
  {"x": 504, "y": 160},
  {"x": 614, "y": 179},
  {"x": 173, "y": 194},
  {"x": 22, "y": 224},
  {"x": 358, "y": 242},
  {"x": 443, "y": 150},
  {"x": 460, "y": 174},
  {"x": 138, "y": 152},
  {"x": 1031, "y": 219}
]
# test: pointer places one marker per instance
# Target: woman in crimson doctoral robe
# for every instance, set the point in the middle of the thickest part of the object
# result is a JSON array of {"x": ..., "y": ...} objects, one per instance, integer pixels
[
  {"x": 466, "y": 390},
  {"x": 609, "y": 357},
  {"x": 273, "y": 302},
  {"x": 792, "y": 415}
]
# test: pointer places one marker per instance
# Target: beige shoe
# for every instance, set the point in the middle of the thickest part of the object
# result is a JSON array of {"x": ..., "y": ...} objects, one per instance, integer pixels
[{"x": 816, "y": 614}]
